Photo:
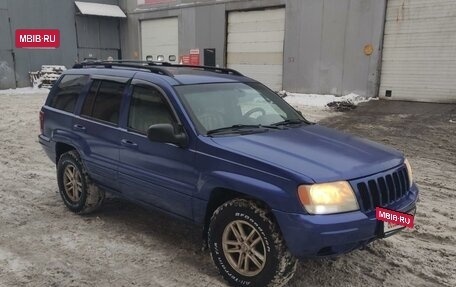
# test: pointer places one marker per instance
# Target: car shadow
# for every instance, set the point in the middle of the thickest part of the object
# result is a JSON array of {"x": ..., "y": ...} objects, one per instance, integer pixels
[
  {"x": 182, "y": 238},
  {"x": 185, "y": 238}
]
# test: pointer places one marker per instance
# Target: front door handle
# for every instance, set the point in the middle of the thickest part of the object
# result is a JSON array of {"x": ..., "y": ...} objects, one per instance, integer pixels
[
  {"x": 128, "y": 143},
  {"x": 78, "y": 127}
]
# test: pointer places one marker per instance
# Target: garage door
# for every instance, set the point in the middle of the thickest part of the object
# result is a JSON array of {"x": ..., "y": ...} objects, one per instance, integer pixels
[
  {"x": 159, "y": 37},
  {"x": 419, "y": 51},
  {"x": 255, "y": 45}
]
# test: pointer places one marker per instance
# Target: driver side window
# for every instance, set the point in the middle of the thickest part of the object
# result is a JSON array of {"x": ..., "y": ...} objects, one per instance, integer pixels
[
  {"x": 147, "y": 108},
  {"x": 254, "y": 105}
]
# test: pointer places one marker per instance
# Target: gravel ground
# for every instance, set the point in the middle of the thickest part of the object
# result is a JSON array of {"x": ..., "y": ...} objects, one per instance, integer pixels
[{"x": 43, "y": 244}]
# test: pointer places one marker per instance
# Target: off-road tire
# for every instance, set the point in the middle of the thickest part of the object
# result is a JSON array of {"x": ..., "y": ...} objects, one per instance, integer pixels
[
  {"x": 280, "y": 265},
  {"x": 91, "y": 197}
]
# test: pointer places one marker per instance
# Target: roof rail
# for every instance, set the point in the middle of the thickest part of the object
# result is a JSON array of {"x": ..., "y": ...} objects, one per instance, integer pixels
[
  {"x": 149, "y": 65},
  {"x": 110, "y": 64},
  {"x": 209, "y": 68}
]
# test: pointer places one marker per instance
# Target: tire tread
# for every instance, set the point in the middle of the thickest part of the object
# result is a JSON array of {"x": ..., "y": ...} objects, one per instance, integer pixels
[{"x": 287, "y": 263}]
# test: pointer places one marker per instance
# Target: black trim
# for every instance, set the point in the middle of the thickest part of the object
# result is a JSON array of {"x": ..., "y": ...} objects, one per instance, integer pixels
[{"x": 152, "y": 66}]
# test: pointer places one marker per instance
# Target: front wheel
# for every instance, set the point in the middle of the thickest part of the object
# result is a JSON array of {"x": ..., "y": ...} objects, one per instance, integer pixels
[{"x": 247, "y": 247}]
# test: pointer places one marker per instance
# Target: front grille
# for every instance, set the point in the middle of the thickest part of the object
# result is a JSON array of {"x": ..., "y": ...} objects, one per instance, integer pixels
[{"x": 382, "y": 190}]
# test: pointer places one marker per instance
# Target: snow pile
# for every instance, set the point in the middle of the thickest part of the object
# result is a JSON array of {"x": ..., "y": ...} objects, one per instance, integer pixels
[
  {"x": 318, "y": 107},
  {"x": 24, "y": 91},
  {"x": 320, "y": 101}
]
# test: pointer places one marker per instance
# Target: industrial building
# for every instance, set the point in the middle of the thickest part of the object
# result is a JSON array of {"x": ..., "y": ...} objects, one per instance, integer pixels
[{"x": 395, "y": 49}]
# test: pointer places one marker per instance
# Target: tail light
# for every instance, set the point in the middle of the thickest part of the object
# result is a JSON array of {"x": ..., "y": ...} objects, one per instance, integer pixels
[{"x": 41, "y": 121}]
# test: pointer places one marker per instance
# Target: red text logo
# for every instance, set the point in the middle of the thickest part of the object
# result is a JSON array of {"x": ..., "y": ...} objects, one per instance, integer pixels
[
  {"x": 37, "y": 38},
  {"x": 394, "y": 217}
]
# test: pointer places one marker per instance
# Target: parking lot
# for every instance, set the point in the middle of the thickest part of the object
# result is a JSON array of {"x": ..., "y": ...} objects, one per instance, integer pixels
[{"x": 43, "y": 244}]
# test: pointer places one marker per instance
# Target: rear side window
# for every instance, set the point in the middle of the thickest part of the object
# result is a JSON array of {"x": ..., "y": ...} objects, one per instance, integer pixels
[
  {"x": 90, "y": 99},
  {"x": 68, "y": 92},
  {"x": 103, "y": 101}
]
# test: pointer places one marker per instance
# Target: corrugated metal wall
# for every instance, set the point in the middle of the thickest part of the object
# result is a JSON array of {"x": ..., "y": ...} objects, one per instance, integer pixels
[
  {"x": 419, "y": 58},
  {"x": 7, "y": 76},
  {"x": 324, "y": 39},
  {"x": 324, "y": 45},
  {"x": 97, "y": 36}
]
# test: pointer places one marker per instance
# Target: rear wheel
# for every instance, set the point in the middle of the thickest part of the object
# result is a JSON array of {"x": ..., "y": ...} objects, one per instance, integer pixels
[
  {"x": 247, "y": 247},
  {"x": 78, "y": 192}
]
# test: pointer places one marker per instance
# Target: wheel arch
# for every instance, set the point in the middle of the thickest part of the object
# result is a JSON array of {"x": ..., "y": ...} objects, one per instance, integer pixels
[
  {"x": 221, "y": 195},
  {"x": 61, "y": 148}
]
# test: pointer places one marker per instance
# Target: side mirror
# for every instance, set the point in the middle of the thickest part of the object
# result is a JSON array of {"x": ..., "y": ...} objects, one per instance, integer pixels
[{"x": 165, "y": 133}]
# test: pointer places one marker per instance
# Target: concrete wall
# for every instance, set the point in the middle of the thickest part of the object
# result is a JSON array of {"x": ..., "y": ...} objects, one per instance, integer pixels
[
  {"x": 15, "y": 64},
  {"x": 324, "y": 39}
]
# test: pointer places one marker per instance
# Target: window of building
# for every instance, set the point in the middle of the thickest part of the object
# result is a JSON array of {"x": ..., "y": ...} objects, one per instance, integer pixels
[{"x": 68, "y": 92}]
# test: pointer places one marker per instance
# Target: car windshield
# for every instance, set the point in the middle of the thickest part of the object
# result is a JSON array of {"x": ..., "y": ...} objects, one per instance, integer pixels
[{"x": 229, "y": 107}]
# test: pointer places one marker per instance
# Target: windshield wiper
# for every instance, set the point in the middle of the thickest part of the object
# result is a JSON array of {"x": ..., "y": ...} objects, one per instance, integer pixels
[
  {"x": 238, "y": 127},
  {"x": 291, "y": 122}
]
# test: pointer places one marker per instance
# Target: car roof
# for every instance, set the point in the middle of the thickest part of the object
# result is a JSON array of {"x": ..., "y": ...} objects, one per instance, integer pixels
[{"x": 172, "y": 74}]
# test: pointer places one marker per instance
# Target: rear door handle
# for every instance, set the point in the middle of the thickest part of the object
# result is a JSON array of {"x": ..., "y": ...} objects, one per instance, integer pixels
[
  {"x": 128, "y": 143},
  {"x": 79, "y": 128}
]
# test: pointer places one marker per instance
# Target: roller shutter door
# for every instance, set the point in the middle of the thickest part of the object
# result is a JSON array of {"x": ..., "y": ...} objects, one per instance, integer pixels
[
  {"x": 255, "y": 45},
  {"x": 419, "y": 51},
  {"x": 159, "y": 37}
]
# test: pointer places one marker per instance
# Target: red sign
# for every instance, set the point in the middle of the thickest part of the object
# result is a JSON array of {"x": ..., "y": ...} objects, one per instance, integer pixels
[
  {"x": 185, "y": 60},
  {"x": 194, "y": 57},
  {"x": 37, "y": 38},
  {"x": 394, "y": 217}
]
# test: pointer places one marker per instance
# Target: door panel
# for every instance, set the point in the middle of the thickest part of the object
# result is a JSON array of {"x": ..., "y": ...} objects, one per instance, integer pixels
[
  {"x": 159, "y": 174},
  {"x": 102, "y": 153},
  {"x": 98, "y": 127}
]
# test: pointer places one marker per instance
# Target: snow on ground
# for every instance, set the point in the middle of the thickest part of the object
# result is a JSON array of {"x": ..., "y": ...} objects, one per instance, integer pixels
[
  {"x": 315, "y": 107},
  {"x": 24, "y": 91},
  {"x": 321, "y": 101},
  {"x": 43, "y": 244}
]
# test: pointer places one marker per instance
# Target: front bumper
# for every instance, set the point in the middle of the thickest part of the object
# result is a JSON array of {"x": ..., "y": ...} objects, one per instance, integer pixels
[{"x": 324, "y": 235}]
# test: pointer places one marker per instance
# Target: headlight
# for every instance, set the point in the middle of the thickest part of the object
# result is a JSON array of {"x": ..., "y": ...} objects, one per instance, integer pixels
[
  {"x": 326, "y": 198},
  {"x": 409, "y": 172}
]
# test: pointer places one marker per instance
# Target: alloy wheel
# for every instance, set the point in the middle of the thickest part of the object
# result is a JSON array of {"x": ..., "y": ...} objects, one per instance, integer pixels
[
  {"x": 244, "y": 248},
  {"x": 72, "y": 183}
]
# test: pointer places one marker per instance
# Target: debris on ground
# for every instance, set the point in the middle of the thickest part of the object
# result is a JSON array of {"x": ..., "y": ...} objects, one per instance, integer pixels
[
  {"x": 47, "y": 76},
  {"x": 341, "y": 106}
]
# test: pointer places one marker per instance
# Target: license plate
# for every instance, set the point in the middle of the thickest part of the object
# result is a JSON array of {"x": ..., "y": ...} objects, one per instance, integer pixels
[{"x": 389, "y": 227}]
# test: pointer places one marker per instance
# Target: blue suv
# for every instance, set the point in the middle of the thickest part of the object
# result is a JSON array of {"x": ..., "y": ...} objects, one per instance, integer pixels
[{"x": 221, "y": 150}]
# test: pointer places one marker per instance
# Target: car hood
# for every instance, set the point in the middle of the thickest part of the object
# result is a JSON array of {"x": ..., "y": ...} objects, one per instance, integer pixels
[{"x": 315, "y": 151}]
